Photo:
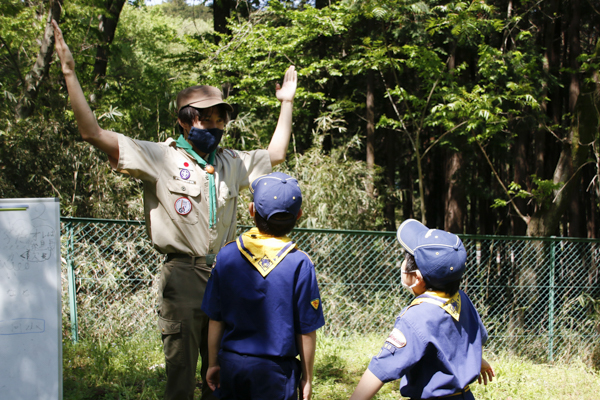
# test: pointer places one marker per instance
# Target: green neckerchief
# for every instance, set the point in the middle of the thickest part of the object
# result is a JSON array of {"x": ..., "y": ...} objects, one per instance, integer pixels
[{"x": 212, "y": 193}]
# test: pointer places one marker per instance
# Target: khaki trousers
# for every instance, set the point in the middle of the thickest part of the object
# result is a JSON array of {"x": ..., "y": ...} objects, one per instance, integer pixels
[{"x": 184, "y": 326}]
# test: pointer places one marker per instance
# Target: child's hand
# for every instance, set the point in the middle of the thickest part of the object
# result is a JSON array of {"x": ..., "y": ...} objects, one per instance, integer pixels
[
  {"x": 288, "y": 90},
  {"x": 305, "y": 390},
  {"x": 487, "y": 372},
  {"x": 213, "y": 377},
  {"x": 66, "y": 58}
]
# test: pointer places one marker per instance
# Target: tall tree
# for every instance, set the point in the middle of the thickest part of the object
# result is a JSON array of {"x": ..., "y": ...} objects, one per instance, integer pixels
[
  {"x": 34, "y": 79},
  {"x": 107, "y": 28}
]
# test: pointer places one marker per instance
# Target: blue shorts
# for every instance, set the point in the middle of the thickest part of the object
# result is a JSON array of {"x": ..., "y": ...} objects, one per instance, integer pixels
[{"x": 246, "y": 377}]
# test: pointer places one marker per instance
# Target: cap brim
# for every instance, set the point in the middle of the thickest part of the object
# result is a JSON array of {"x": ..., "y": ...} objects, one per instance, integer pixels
[
  {"x": 408, "y": 234},
  {"x": 207, "y": 103}
]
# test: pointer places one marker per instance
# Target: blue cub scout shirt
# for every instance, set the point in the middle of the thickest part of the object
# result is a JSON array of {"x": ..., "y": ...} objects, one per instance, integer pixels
[
  {"x": 433, "y": 353},
  {"x": 263, "y": 315}
]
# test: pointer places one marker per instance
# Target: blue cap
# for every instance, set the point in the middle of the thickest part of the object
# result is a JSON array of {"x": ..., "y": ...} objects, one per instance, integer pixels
[
  {"x": 440, "y": 255},
  {"x": 276, "y": 193}
]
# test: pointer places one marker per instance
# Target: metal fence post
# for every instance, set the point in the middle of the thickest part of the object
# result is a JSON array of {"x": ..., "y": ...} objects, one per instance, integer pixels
[
  {"x": 551, "y": 301},
  {"x": 72, "y": 288}
]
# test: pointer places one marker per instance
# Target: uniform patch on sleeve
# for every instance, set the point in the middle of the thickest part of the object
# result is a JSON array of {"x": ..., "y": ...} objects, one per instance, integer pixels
[
  {"x": 396, "y": 339},
  {"x": 315, "y": 303}
]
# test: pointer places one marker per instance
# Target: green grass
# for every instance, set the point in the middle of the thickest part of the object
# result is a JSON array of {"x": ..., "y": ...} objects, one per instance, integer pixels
[{"x": 131, "y": 368}]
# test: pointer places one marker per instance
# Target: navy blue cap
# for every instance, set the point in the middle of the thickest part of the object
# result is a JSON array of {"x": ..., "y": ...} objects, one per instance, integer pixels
[
  {"x": 440, "y": 255},
  {"x": 276, "y": 193}
]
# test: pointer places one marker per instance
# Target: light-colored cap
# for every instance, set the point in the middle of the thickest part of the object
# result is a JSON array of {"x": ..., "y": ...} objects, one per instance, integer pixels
[{"x": 201, "y": 97}]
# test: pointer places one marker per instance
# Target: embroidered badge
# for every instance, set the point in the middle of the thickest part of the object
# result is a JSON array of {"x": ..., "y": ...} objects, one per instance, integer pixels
[
  {"x": 388, "y": 347},
  {"x": 315, "y": 303},
  {"x": 396, "y": 339},
  {"x": 265, "y": 263},
  {"x": 185, "y": 174},
  {"x": 183, "y": 206}
]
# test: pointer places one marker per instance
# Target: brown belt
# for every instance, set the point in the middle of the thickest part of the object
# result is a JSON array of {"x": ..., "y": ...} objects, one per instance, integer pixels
[{"x": 208, "y": 259}]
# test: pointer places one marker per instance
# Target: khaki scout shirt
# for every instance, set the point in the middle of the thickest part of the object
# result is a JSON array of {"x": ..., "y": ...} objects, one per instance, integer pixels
[{"x": 170, "y": 174}]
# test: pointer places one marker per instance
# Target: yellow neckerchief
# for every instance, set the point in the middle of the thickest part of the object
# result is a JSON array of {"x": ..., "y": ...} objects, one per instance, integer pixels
[
  {"x": 449, "y": 304},
  {"x": 264, "y": 251}
]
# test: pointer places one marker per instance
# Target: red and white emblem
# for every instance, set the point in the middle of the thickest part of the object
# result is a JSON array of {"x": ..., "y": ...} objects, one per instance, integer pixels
[
  {"x": 396, "y": 338},
  {"x": 183, "y": 206}
]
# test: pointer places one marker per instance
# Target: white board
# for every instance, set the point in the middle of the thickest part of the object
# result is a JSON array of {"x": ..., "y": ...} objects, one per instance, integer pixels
[{"x": 30, "y": 300}]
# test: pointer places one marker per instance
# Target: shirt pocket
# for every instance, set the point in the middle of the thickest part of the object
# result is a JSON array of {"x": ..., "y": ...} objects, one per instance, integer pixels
[
  {"x": 227, "y": 203},
  {"x": 183, "y": 202}
]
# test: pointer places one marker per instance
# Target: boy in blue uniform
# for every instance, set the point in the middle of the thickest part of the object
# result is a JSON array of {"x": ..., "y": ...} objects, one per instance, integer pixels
[
  {"x": 436, "y": 344},
  {"x": 263, "y": 303}
]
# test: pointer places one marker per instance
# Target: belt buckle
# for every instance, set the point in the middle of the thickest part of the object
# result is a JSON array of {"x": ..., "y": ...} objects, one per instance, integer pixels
[{"x": 210, "y": 259}]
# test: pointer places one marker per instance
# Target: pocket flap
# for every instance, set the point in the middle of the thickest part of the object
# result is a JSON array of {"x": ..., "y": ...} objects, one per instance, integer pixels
[
  {"x": 168, "y": 326},
  {"x": 184, "y": 188}
]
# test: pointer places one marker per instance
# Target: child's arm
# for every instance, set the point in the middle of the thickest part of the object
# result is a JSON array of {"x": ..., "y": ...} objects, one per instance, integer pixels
[
  {"x": 307, "y": 344},
  {"x": 215, "y": 334},
  {"x": 368, "y": 386},
  {"x": 87, "y": 123},
  {"x": 281, "y": 137},
  {"x": 487, "y": 372}
]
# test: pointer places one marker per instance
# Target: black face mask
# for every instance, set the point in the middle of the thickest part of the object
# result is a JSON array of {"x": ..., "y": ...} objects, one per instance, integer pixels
[{"x": 205, "y": 140}]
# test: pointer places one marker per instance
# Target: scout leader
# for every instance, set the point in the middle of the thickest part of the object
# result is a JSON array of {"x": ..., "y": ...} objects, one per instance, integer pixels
[{"x": 190, "y": 197}]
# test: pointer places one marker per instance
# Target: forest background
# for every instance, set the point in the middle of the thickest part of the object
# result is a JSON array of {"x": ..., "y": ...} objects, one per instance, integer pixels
[{"x": 475, "y": 117}]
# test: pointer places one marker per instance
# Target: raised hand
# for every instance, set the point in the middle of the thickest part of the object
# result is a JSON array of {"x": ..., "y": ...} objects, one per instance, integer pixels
[
  {"x": 290, "y": 82},
  {"x": 66, "y": 58}
]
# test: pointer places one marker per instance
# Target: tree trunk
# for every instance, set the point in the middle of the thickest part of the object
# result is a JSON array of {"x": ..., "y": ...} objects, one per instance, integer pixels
[
  {"x": 575, "y": 149},
  {"x": 107, "y": 27},
  {"x": 390, "y": 180},
  {"x": 484, "y": 210},
  {"x": 39, "y": 72},
  {"x": 521, "y": 173},
  {"x": 576, "y": 212},
  {"x": 222, "y": 11},
  {"x": 370, "y": 105},
  {"x": 454, "y": 194}
]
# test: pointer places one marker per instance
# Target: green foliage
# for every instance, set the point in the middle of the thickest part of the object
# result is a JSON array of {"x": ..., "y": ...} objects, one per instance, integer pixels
[
  {"x": 44, "y": 156},
  {"x": 446, "y": 77},
  {"x": 333, "y": 190},
  {"x": 543, "y": 192},
  {"x": 182, "y": 10},
  {"x": 131, "y": 368}
]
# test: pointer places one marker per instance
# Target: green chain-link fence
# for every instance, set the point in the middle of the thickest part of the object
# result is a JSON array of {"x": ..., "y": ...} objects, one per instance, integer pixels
[{"x": 538, "y": 297}]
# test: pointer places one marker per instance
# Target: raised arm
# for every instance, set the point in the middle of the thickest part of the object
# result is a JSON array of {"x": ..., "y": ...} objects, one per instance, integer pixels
[
  {"x": 281, "y": 137},
  {"x": 89, "y": 129},
  {"x": 307, "y": 344}
]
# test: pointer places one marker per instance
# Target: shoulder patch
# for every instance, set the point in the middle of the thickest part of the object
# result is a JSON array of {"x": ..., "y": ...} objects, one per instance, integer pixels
[
  {"x": 315, "y": 304},
  {"x": 396, "y": 338}
]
